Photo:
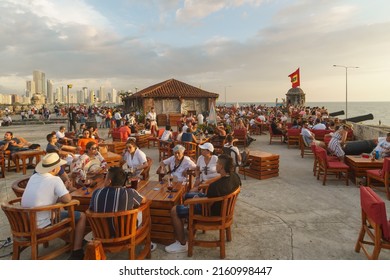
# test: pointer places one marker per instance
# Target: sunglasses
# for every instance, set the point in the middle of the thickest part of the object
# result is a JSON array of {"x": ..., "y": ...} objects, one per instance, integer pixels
[
  {"x": 205, "y": 170},
  {"x": 94, "y": 148}
]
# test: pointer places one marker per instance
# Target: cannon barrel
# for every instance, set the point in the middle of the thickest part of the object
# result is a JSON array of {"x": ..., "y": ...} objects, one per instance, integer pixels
[
  {"x": 361, "y": 118},
  {"x": 338, "y": 113}
]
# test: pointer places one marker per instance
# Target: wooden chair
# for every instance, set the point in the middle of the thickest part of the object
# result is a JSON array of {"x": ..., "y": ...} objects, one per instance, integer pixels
[
  {"x": 205, "y": 221},
  {"x": 272, "y": 135},
  {"x": 218, "y": 143},
  {"x": 145, "y": 173},
  {"x": 20, "y": 185},
  {"x": 153, "y": 139},
  {"x": 325, "y": 167},
  {"x": 242, "y": 136},
  {"x": 164, "y": 149},
  {"x": 316, "y": 160},
  {"x": 190, "y": 148},
  {"x": 374, "y": 224},
  {"x": 26, "y": 234},
  {"x": 118, "y": 231},
  {"x": 305, "y": 150},
  {"x": 381, "y": 175},
  {"x": 2, "y": 164},
  {"x": 94, "y": 251},
  {"x": 293, "y": 137}
]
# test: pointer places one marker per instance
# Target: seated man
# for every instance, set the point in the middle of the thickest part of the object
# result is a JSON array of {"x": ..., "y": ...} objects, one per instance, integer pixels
[
  {"x": 61, "y": 135},
  {"x": 125, "y": 130},
  {"x": 318, "y": 125},
  {"x": 278, "y": 129},
  {"x": 45, "y": 188},
  {"x": 114, "y": 198},
  {"x": 226, "y": 184},
  {"x": 383, "y": 147},
  {"x": 309, "y": 137},
  {"x": 15, "y": 145},
  {"x": 7, "y": 121}
]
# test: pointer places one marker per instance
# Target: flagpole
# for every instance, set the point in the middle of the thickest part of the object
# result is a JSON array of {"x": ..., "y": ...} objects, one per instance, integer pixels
[{"x": 346, "y": 86}]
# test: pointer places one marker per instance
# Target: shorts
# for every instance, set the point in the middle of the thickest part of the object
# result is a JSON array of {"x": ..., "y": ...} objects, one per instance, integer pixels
[
  {"x": 184, "y": 210},
  {"x": 64, "y": 215}
]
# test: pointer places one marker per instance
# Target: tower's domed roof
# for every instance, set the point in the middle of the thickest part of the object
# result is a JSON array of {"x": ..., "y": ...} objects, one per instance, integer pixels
[{"x": 295, "y": 91}]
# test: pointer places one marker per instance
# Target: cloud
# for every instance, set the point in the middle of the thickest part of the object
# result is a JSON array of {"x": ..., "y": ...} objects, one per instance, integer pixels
[{"x": 198, "y": 9}]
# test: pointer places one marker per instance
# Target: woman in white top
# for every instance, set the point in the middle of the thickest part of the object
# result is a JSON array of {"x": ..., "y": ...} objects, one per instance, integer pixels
[
  {"x": 206, "y": 166},
  {"x": 167, "y": 135},
  {"x": 178, "y": 164},
  {"x": 135, "y": 159}
]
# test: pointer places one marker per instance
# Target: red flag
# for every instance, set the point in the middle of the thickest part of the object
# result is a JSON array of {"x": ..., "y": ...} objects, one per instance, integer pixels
[{"x": 295, "y": 80}]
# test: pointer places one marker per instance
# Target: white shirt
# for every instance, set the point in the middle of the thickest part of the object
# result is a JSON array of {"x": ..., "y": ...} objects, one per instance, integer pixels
[
  {"x": 60, "y": 135},
  {"x": 319, "y": 126},
  {"x": 382, "y": 146},
  {"x": 186, "y": 164},
  {"x": 166, "y": 135},
  {"x": 43, "y": 190},
  {"x": 151, "y": 116},
  {"x": 211, "y": 168},
  {"x": 139, "y": 158}
]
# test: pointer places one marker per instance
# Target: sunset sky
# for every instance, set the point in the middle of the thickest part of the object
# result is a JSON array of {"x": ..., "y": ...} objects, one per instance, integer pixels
[{"x": 244, "y": 47}]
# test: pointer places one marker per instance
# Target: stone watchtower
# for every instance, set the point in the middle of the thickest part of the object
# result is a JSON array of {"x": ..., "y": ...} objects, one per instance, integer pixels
[{"x": 295, "y": 96}]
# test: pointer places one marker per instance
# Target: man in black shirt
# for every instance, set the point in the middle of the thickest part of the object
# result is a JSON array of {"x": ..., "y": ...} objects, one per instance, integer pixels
[{"x": 226, "y": 184}]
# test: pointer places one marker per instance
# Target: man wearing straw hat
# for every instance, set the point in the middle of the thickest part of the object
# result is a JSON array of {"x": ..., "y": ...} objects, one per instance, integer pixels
[{"x": 45, "y": 188}]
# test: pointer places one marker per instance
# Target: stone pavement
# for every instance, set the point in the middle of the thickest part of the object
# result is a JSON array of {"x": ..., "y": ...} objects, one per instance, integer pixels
[{"x": 284, "y": 218}]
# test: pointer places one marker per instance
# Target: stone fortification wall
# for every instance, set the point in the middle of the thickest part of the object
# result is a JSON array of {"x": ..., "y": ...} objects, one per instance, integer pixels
[{"x": 365, "y": 132}]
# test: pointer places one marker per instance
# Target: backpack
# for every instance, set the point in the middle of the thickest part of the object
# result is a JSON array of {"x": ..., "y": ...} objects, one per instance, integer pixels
[{"x": 228, "y": 151}]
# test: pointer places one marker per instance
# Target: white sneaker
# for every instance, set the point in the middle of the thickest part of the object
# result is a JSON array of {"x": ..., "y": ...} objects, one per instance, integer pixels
[
  {"x": 176, "y": 248},
  {"x": 153, "y": 246}
]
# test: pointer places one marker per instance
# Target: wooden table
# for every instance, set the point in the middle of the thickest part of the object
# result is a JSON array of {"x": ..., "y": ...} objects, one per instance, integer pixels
[
  {"x": 112, "y": 159},
  {"x": 160, "y": 209},
  {"x": 141, "y": 139},
  {"x": 263, "y": 165},
  {"x": 23, "y": 155},
  {"x": 359, "y": 165}
]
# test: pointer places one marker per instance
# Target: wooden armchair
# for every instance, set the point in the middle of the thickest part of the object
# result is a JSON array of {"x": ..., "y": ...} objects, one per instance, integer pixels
[
  {"x": 2, "y": 163},
  {"x": 26, "y": 234},
  {"x": 20, "y": 185},
  {"x": 242, "y": 136},
  {"x": 153, "y": 139},
  {"x": 164, "y": 149},
  {"x": 381, "y": 175},
  {"x": 190, "y": 148},
  {"x": 205, "y": 221},
  {"x": 374, "y": 224},
  {"x": 118, "y": 231},
  {"x": 145, "y": 173}
]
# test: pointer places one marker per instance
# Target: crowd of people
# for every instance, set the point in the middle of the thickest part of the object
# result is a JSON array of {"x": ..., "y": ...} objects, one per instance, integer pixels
[{"x": 215, "y": 174}]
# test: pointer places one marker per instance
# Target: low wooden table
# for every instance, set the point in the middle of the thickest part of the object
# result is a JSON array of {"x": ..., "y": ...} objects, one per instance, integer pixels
[
  {"x": 359, "y": 166},
  {"x": 160, "y": 209},
  {"x": 112, "y": 159},
  {"x": 23, "y": 155},
  {"x": 141, "y": 139},
  {"x": 263, "y": 165}
]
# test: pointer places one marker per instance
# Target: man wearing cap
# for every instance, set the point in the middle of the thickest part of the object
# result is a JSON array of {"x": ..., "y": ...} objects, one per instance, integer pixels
[
  {"x": 226, "y": 184},
  {"x": 45, "y": 188}
]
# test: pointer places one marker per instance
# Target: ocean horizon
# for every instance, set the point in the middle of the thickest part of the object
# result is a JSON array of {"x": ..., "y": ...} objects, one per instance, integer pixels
[{"x": 378, "y": 109}]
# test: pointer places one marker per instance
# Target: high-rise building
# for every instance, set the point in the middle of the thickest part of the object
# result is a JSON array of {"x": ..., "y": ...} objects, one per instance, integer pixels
[
  {"x": 50, "y": 96},
  {"x": 92, "y": 96},
  {"x": 40, "y": 83},
  {"x": 85, "y": 96},
  {"x": 30, "y": 88},
  {"x": 114, "y": 95},
  {"x": 101, "y": 93}
]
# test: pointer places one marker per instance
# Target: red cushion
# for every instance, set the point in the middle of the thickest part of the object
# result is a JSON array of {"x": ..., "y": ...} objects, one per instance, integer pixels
[
  {"x": 375, "y": 208},
  {"x": 337, "y": 164},
  {"x": 375, "y": 172},
  {"x": 333, "y": 158}
]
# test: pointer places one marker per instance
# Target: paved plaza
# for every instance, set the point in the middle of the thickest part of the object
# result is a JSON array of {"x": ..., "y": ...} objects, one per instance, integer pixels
[{"x": 292, "y": 216}]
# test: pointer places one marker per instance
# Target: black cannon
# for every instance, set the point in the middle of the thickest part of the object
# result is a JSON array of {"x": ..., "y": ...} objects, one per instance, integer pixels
[
  {"x": 361, "y": 118},
  {"x": 338, "y": 113}
]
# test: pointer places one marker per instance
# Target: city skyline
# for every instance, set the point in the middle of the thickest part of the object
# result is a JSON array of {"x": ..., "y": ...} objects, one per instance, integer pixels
[{"x": 242, "y": 49}]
